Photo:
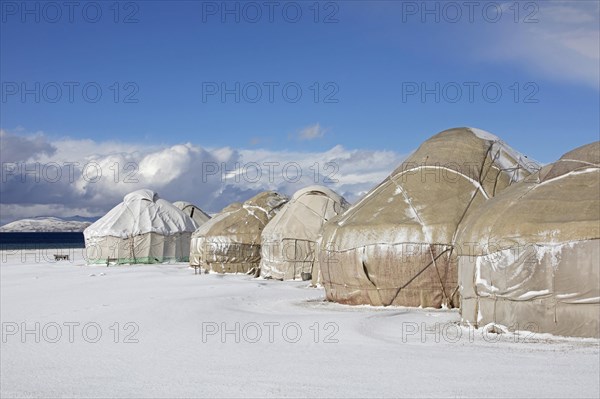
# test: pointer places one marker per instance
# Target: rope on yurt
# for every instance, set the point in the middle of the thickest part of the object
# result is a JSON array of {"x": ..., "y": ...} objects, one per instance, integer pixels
[
  {"x": 131, "y": 240},
  {"x": 454, "y": 292},
  {"x": 131, "y": 254},
  {"x": 364, "y": 266},
  {"x": 448, "y": 300},
  {"x": 480, "y": 179},
  {"x": 515, "y": 171},
  {"x": 414, "y": 277},
  {"x": 295, "y": 256}
]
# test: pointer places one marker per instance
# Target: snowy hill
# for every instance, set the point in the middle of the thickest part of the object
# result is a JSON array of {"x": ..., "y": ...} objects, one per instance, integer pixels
[{"x": 45, "y": 224}]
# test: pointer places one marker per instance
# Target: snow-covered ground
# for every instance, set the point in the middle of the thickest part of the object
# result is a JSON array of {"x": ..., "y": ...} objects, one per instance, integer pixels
[{"x": 157, "y": 331}]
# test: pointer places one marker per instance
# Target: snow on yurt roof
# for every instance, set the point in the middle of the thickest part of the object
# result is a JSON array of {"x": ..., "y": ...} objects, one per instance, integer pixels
[
  {"x": 318, "y": 190},
  {"x": 248, "y": 218},
  {"x": 231, "y": 207},
  {"x": 558, "y": 204},
  {"x": 141, "y": 212},
  {"x": 183, "y": 204},
  {"x": 457, "y": 148},
  {"x": 424, "y": 199},
  {"x": 304, "y": 215},
  {"x": 192, "y": 211},
  {"x": 580, "y": 158}
]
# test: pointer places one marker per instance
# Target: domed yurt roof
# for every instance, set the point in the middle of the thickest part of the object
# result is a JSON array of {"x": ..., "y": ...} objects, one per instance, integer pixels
[
  {"x": 243, "y": 219},
  {"x": 561, "y": 203},
  {"x": 305, "y": 213},
  {"x": 142, "y": 211},
  {"x": 199, "y": 216}
]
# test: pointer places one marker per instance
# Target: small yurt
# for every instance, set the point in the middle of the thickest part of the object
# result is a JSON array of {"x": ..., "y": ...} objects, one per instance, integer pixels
[
  {"x": 288, "y": 241},
  {"x": 395, "y": 245},
  {"x": 230, "y": 241},
  {"x": 142, "y": 229},
  {"x": 529, "y": 259},
  {"x": 192, "y": 211}
]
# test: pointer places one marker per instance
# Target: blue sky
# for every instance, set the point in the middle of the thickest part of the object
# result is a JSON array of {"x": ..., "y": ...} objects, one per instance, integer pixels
[{"x": 364, "y": 62}]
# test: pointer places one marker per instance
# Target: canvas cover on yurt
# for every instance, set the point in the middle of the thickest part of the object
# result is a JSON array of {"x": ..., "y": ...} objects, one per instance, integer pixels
[
  {"x": 192, "y": 211},
  {"x": 230, "y": 241},
  {"x": 395, "y": 245},
  {"x": 288, "y": 241},
  {"x": 530, "y": 258},
  {"x": 142, "y": 229}
]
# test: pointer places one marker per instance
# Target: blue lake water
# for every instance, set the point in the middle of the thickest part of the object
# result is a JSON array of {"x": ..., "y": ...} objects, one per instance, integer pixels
[{"x": 41, "y": 240}]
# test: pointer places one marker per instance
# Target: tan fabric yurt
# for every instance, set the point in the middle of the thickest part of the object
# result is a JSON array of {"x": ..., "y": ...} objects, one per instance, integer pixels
[
  {"x": 529, "y": 259},
  {"x": 288, "y": 241},
  {"x": 230, "y": 241},
  {"x": 192, "y": 211},
  {"x": 395, "y": 246},
  {"x": 142, "y": 229}
]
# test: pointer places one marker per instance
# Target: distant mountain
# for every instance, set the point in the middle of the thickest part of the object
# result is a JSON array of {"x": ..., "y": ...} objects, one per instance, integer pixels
[
  {"x": 75, "y": 218},
  {"x": 48, "y": 224}
]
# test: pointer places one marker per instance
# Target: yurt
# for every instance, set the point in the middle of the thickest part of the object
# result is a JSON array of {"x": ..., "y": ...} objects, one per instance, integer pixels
[
  {"x": 288, "y": 241},
  {"x": 142, "y": 229},
  {"x": 395, "y": 245},
  {"x": 529, "y": 259},
  {"x": 230, "y": 241},
  {"x": 192, "y": 211}
]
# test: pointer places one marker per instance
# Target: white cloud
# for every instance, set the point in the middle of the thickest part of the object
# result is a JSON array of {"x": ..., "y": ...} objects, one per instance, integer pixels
[
  {"x": 18, "y": 148},
  {"x": 311, "y": 132},
  {"x": 68, "y": 182},
  {"x": 564, "y": 43},
  {"x": 569, "y": 12}
]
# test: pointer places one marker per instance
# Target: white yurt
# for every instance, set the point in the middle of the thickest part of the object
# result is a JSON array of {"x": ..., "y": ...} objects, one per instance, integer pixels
[
  {"x": 288, "y": 241},
  {"x": 529, "y": 259},
  {"x": 142, "y": 229},
  {"x": 199, "y": 216}
]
